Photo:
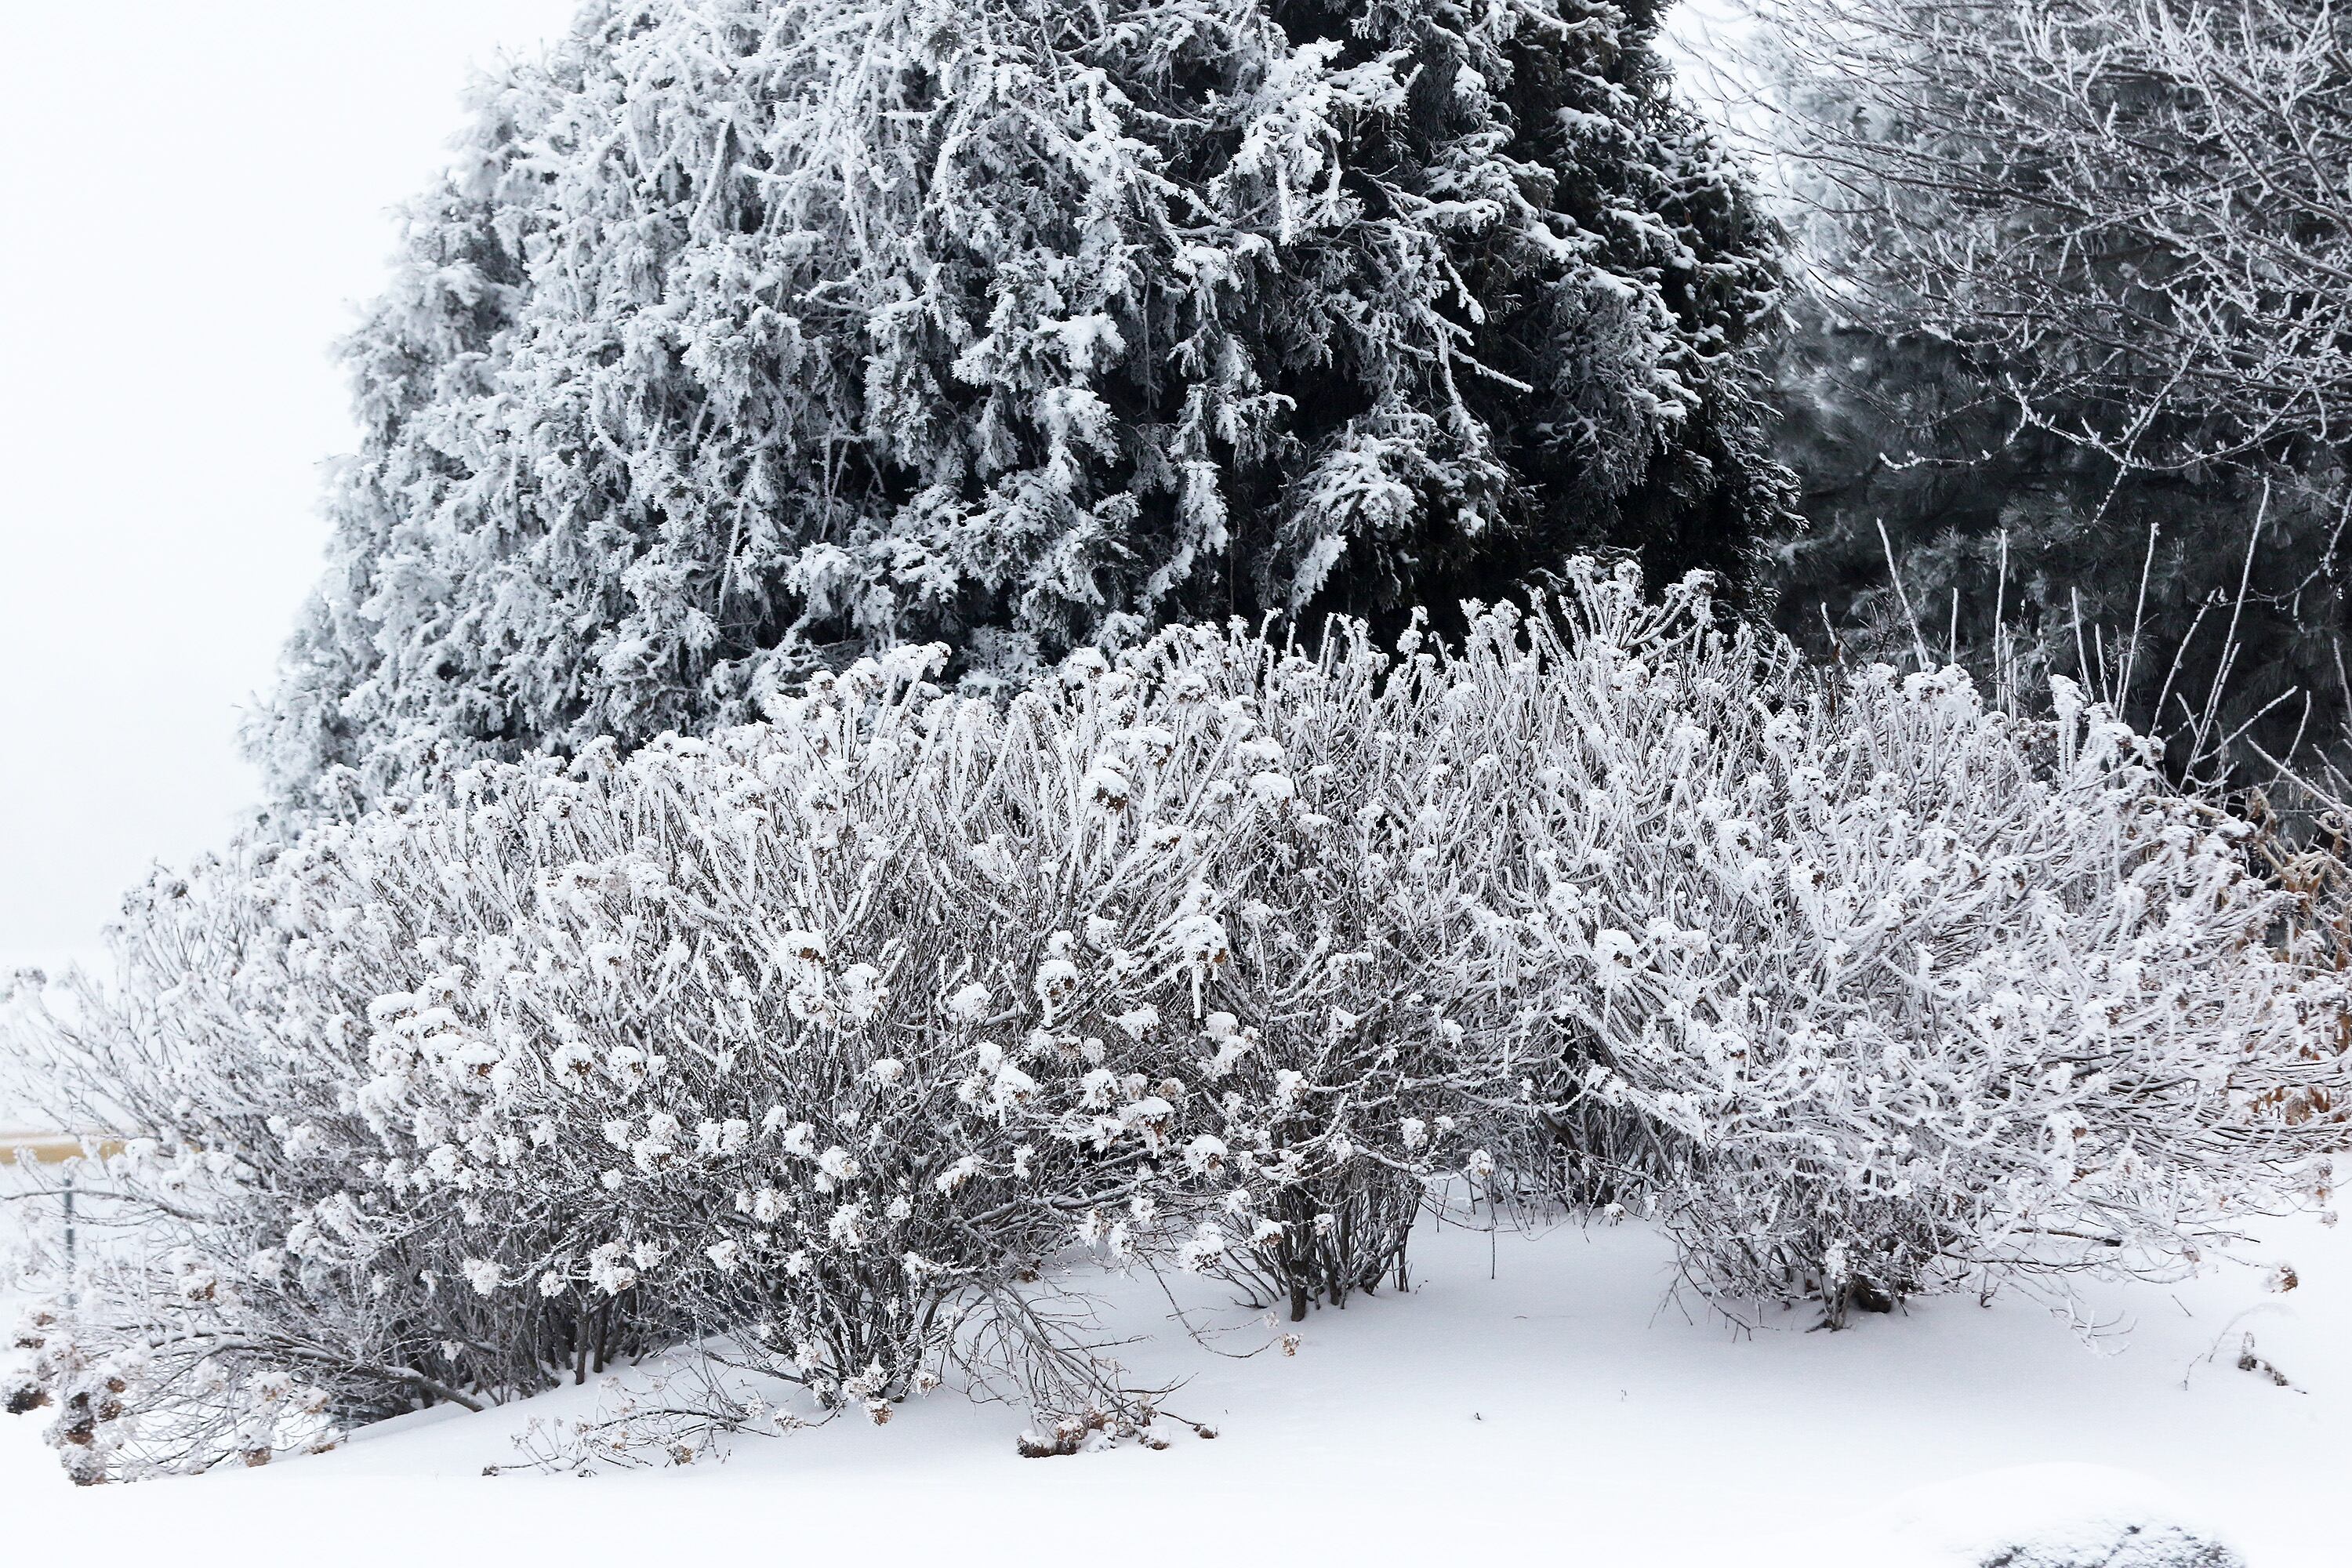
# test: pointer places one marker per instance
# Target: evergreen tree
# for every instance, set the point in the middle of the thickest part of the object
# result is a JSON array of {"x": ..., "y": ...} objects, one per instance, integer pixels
[{"x": 752, "y": 335}]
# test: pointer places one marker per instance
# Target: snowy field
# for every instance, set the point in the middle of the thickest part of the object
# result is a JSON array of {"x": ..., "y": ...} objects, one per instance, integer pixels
[{"x": 1562, "y": 1410}]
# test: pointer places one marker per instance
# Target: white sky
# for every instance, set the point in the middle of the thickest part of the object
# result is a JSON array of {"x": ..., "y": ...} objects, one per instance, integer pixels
[{"x": 194, "y": 195}]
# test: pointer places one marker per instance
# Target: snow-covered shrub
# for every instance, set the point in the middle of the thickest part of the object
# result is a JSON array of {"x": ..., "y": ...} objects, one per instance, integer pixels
[
  {"x": 1881, "y": 984},
  {"x": 1370, "y": 1030},
  {"x": 751, "y": 335},
  {"x": 845, "y": 1037},
  {"x": 828, "y": 1034},
  {"x": 587, "y": 1061}
]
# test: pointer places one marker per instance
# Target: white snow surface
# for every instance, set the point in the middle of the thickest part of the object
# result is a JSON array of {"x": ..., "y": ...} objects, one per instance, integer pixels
[{"x": 1536, "y": 1394}]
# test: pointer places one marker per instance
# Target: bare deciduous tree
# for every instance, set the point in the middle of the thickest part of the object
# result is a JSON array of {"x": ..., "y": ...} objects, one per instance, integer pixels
[{"x": 2138, "y": 207}]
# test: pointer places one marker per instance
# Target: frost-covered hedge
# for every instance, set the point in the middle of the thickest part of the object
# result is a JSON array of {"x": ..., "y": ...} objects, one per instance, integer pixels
[
  {"x": 849, "y": 1035},
  {"x": 1872, "y": 985},
  {"x": 830, "y": 1032}
]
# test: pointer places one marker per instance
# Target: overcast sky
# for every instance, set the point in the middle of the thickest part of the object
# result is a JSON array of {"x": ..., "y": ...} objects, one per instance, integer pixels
[{"x": 197, "y": 194}]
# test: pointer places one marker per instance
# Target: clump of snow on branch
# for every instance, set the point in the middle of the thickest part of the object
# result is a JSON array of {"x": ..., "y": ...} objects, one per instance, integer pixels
[{"x": 849, "y": 1039}]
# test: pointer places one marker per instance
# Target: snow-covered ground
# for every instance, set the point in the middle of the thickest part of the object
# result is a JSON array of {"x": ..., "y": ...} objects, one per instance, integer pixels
[{"x": 1544, "y": 1399}]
